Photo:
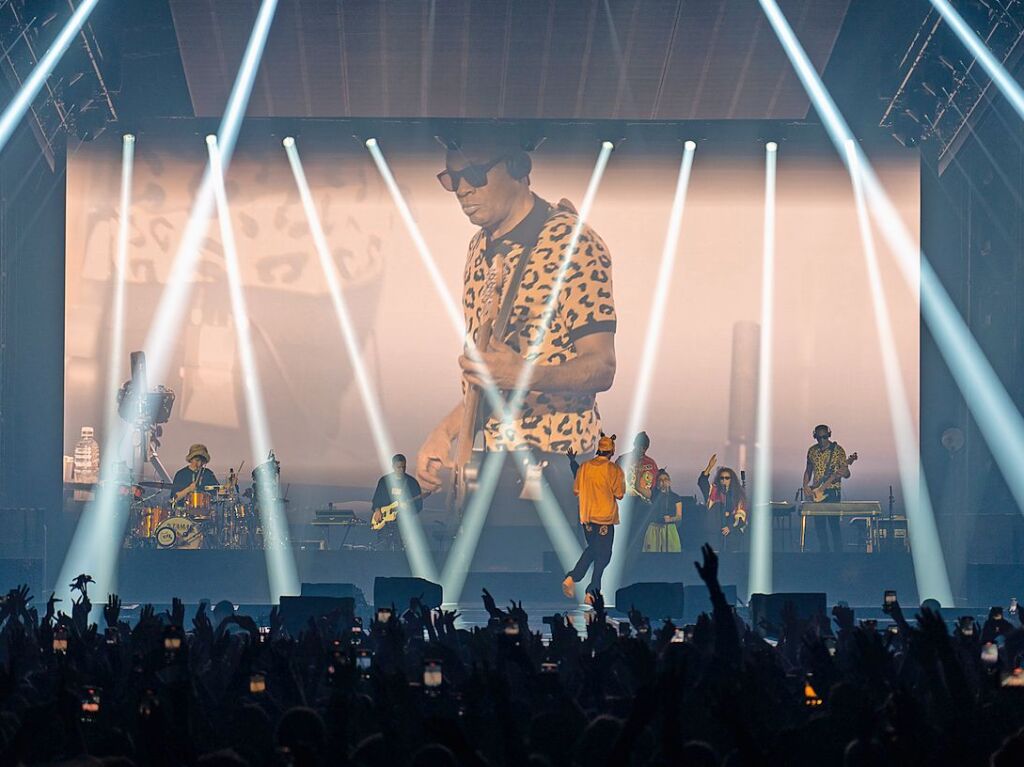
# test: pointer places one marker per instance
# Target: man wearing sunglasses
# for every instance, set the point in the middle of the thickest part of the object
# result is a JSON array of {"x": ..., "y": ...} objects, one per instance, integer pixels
[{"x": 570, "y": 340}]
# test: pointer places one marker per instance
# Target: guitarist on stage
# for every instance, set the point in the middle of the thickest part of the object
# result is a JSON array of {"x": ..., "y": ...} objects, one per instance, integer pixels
[
  {"x": 513, "y": 261},
  {"x": 827, "y": 467},
  {"x": 396, "y": 486}
]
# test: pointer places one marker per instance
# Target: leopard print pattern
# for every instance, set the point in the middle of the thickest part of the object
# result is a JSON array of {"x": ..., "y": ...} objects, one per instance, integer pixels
[{"x": 550, "y": 421}]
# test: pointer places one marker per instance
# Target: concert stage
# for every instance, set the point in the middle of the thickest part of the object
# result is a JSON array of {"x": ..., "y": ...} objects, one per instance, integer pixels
[{"x": 241, "y": 576}]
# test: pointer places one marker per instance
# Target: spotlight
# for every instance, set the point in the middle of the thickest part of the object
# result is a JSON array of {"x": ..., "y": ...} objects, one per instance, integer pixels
[
  {"x": 979, "y": 16},
  {"x": 641, "y": 391},
  {"x": 760, "y": 575},
  {"x": 998, "y": 420},
  {"x": 690, "y": 145},
  {"x": 128, "y": 138},
  {"x": 409, "y": 527},
  {"x": 211, "y": 139},
  {"x": 609, "y": 145},
  {"x": 371, "y": 143},
  {"x": 289, "y": 141}
]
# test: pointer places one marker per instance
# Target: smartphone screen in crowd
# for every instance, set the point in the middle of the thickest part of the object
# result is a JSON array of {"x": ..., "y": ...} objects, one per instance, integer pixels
[{"x": 432, "y": 675}]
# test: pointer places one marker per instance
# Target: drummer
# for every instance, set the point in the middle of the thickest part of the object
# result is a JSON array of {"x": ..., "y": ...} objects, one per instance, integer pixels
[{"x": 195, "y": 476}]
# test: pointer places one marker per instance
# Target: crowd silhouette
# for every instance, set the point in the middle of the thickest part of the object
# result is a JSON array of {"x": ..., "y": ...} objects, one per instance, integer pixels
[{"x": 415, "y": 689}]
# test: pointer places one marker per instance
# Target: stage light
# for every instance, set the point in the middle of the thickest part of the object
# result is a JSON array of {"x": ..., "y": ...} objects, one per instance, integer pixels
[
  {"x": 288, "y": 142},
  {"x": 648, "y": 358},
  {"x": 609, "y": 145},
  {"x": 760, "y": 514},
  {"x": 23, "y": 99},
  {"x": 281, "y": 570},
  {"x": 998, "y": 419},
  {"x": 96, "y": 544},
  {"x": 690, "y": 146},
  {"x": 101, "y": 528},
  {"x": 460, "y": 556},
  {"x": 409, "y": 525},
  {"x": 371, "y": 143},
  {"x": 930, "y": 571},
  {"x": 515, "y": 403},
  {"x": 174, "y": 301},
  {"x": 1003, "y": 80}
]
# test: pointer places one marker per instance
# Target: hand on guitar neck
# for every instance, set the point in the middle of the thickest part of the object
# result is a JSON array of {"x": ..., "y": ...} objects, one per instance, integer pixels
[{"x": 816, "y": 493}]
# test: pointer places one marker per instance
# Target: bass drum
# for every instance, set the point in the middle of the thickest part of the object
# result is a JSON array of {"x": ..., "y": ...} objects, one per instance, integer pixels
[{"x": 178, "y": 533}]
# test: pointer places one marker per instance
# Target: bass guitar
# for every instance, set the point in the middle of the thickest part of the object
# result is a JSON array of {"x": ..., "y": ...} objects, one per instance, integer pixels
[
  {"x": 818, "y": 491},
  {"x": 388, "y": 514},
  {"x": 474, "y": 414}
]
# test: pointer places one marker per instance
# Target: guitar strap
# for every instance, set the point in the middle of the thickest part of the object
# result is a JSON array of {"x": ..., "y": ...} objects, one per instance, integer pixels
[{"x": 508, "y": 300}]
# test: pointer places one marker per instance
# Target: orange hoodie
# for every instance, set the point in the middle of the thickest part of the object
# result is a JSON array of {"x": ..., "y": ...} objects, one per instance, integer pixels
[{"x": 599, "y": 484}]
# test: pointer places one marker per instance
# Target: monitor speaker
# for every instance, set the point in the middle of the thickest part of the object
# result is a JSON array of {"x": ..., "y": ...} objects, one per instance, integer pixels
[
  {"x": 398, "y": 592},
  {"x": 654, "y": 600}
]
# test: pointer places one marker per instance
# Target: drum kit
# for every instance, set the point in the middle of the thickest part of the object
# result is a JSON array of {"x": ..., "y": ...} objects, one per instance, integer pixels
[{"x": 209, "y": 517}]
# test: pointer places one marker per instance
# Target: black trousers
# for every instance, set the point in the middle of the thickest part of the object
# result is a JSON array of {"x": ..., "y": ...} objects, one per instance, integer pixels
[
  {"x": 824, "y": 525},
  {"x": 598, "y": 552}
]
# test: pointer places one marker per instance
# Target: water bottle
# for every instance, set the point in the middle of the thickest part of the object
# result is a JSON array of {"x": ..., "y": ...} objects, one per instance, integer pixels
[{"x": 87, "y": 457}]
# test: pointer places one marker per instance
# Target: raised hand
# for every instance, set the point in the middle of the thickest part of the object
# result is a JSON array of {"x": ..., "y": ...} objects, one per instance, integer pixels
[
  {"x": 81, "y": 583},
  {"x": 491, "y": 606},
  {"x": 51, "y": 610},
  {"x": 112, "y": 610},
  {"x": 201, "y": 623},
  {"x": 843, "y": 617},
  {"x": 518, "y": 614},
  {"x": 177, "y": 613},
  {"x": 708, "y": 571},
  {"x": 711, "y": 464}
]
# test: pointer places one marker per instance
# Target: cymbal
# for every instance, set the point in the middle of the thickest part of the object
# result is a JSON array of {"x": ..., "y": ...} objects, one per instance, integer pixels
[{"x": 155, "y": 483}]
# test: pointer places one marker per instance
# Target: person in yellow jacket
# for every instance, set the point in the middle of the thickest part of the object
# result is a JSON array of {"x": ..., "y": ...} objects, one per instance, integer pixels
[{"x": 599, "y": 485}]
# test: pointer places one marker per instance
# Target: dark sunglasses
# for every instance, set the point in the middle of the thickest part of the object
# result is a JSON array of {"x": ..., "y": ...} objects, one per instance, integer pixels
[
  {"x": 475, "y": 175},
  {"x": 725, "y": 477}
]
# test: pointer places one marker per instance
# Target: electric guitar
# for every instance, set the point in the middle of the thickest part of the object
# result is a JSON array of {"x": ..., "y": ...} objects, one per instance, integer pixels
[
  {"x": 389, "y": 513},
  {"x": 818, "y": 491}
]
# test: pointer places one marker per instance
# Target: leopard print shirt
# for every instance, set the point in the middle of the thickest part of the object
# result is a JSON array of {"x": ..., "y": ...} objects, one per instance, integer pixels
[{"x": 550, "y": 421}]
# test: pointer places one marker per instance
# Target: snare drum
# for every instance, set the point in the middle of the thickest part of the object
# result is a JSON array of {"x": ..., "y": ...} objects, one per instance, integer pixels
[{"x": 178, "y": 533}]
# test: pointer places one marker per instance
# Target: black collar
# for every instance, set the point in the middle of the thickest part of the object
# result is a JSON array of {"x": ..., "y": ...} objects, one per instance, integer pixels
[{"x": 525, "y": 233}]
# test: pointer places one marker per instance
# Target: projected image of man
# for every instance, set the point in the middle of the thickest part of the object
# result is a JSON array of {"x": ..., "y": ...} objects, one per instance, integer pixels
[{"x": 516, "y": 255}]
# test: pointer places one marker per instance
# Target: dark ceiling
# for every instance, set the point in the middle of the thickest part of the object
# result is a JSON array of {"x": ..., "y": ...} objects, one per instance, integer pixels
[{"x": 513, "y": 59}]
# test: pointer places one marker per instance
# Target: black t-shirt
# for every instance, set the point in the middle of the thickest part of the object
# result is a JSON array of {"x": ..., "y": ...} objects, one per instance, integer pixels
[
  {"x": 391, "y": 488},
  {"x": 184, "y": 476},
  {"x": 664, "y": 505}
]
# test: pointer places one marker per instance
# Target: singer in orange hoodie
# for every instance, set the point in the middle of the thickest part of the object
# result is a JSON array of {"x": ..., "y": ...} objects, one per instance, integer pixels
[{"x": 599, "y": 485}]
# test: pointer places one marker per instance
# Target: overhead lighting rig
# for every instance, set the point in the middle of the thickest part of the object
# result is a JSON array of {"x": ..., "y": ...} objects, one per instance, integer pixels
[
  {"x": 942, "y": 90},
  {"x": 75, "y": 98}
]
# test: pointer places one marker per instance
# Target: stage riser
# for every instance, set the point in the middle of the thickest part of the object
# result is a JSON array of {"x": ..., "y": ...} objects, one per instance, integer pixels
[{"x": 241, "y": 576}]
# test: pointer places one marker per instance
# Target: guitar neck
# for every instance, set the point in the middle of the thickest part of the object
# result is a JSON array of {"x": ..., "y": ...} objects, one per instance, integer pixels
[{"x": 471, "y": 409}]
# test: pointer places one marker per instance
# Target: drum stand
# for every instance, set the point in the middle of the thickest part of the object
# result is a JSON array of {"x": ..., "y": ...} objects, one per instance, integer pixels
[{"x": 146, "y": 440}]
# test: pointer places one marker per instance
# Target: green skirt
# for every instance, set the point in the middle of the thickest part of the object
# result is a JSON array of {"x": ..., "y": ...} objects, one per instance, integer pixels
[{"x": 661, "y": 537}]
